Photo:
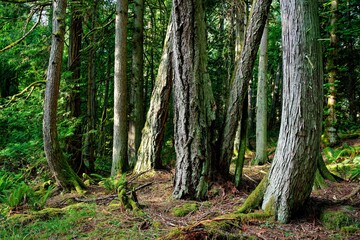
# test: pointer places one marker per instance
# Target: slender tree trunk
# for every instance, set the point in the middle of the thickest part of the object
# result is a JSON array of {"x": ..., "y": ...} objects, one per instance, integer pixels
[
  {"x": 120, "y": 138},
  {"x": 105, "y": 105},
  {"x": 74, "y": 143},
  {"x": 138, "y": 71},
  {"x": 330, "y": 136},
  {"x": 153, "y": 132},
  {"x": 59, "y": 167},
  {"x": 91, "y": 95},
  {"x": 193, "y": 100},
  {"x": 261, "y": 102},
  {"x": 242, "y": 76},
  {"x": 292, "y": 173},
  {"x": 274, "y": 112}
]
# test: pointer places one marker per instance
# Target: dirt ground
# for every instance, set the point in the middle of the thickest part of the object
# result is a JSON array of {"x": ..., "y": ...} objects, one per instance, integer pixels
[{"x": 225, "y": 198}]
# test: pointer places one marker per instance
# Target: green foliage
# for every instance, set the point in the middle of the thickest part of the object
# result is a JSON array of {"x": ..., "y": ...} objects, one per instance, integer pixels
[
  {"x": 14, "y": 192},
  {"x": 344, "y": 160},
  {"x": 184, "y": 209},
  {"x": 112, "y": 184}
]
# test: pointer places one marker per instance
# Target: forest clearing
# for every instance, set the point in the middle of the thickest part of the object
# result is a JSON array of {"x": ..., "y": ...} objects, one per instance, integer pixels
[{"x": 179, "y": 119}]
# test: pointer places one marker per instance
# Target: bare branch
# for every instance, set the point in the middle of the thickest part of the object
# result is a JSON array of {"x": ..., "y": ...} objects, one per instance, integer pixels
[
  {"x": 31, "y": 87},
  {"x": 25, "y": 35}
]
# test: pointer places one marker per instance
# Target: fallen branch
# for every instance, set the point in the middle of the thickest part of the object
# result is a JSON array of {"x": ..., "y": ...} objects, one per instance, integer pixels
[
  {"x": 31, "y": 87},
  {"x": 112, "y": 196},
  {"x": 349, "y": 196}
]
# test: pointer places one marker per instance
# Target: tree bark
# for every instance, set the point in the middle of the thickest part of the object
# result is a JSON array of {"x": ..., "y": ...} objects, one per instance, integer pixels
[
  {"x": 242, "y": 75},
  {"x": 120, "y": 138},
  {"x": 149, "y": 154},
  {"x": 292, "y": 173},
  {"x": 74, "y": 143},
  {"x": 193, "y": 100},
  {"x": 261, "y": 102},
  {"x": 91, "y": 94},
  {"x": 138, "y": 71},
  {"x": 59, "y": 167}
]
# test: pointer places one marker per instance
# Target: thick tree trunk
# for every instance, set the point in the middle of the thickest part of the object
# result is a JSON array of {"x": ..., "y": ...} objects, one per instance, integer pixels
[
  {"x": 120, "y": 138},
  {"x": 240, "y": 30},
  {"x": 330, "y": 134},
  {"x": 261, "y": 102},
  {"x": 153, "y": 132},
  {"x": 138, "y": 71},
  {"x": 242, "y": 75},
  {"x": 292, "y": 173},
  {"x": 59, "y": 167},
  {"x": 193, "y": 100},
  {"x": 74, "y": 143}
]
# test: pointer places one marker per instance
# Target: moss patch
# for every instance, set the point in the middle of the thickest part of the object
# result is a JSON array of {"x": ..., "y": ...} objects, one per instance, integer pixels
[
  {"x": 184, "y": 209},
  {"x": 337, "y": 219}
]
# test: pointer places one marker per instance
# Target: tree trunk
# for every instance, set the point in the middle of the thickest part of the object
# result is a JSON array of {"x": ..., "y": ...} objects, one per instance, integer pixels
[
  {"x": 330, "y": 134},
  {"x": 261, "y": 102},
  {"x": 102, "y": 133},
  {"x": 240, "y": 30},
  {"x": 91, "y": 94},
  {"x": 120, "y": 138},
  {"x": 74, "y": 143},
  {"x": 153, "y": 133},
  {"x": 59, "y": 167},
  {"x": 193, "y": 100},
  {"x": 292, "y": 173},
  {"x": 242, "y": 75},
  {"x": 138, "y": 71}
]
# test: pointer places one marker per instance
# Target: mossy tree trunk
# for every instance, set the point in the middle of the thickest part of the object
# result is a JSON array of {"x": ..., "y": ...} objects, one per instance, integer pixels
[
  {"x": 120, "y": 137},
  {"x": 193, "y": 100},
  {"x": 149, "y": 154},
  {"x": 292, "y": 173},
  {"x": 239, "y": 88},
  {"x": 59, "y": 167}
]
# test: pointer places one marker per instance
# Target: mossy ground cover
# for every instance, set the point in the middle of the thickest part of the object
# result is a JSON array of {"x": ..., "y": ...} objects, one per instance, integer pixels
[{"x": 76, "y": 216}]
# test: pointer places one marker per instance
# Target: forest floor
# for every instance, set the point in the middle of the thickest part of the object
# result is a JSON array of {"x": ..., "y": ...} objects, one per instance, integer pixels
[{"x": 98, "y": 215}]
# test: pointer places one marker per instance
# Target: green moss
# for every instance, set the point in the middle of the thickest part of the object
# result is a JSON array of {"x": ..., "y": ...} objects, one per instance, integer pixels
[
  {"x": 184, "y": 209},
  {"x": 336, "y": 220},
  {"x": 350, "y": 229},
  {"x": 255, "y": 198}
]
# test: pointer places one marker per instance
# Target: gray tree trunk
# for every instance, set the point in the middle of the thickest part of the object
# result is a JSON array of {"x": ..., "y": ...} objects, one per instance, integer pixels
[
  {"x": 120, "y": 137},
  {"x": 293, "y": 170},
  {"x": 138, "y": 71},
  {"x": 242, "y": 75},
  {"x": 261, "y": 102},
  {"x": 193, "y": 100},
  {"x": 153, "y": 132},
  {"x": 59, "y": 167}
]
